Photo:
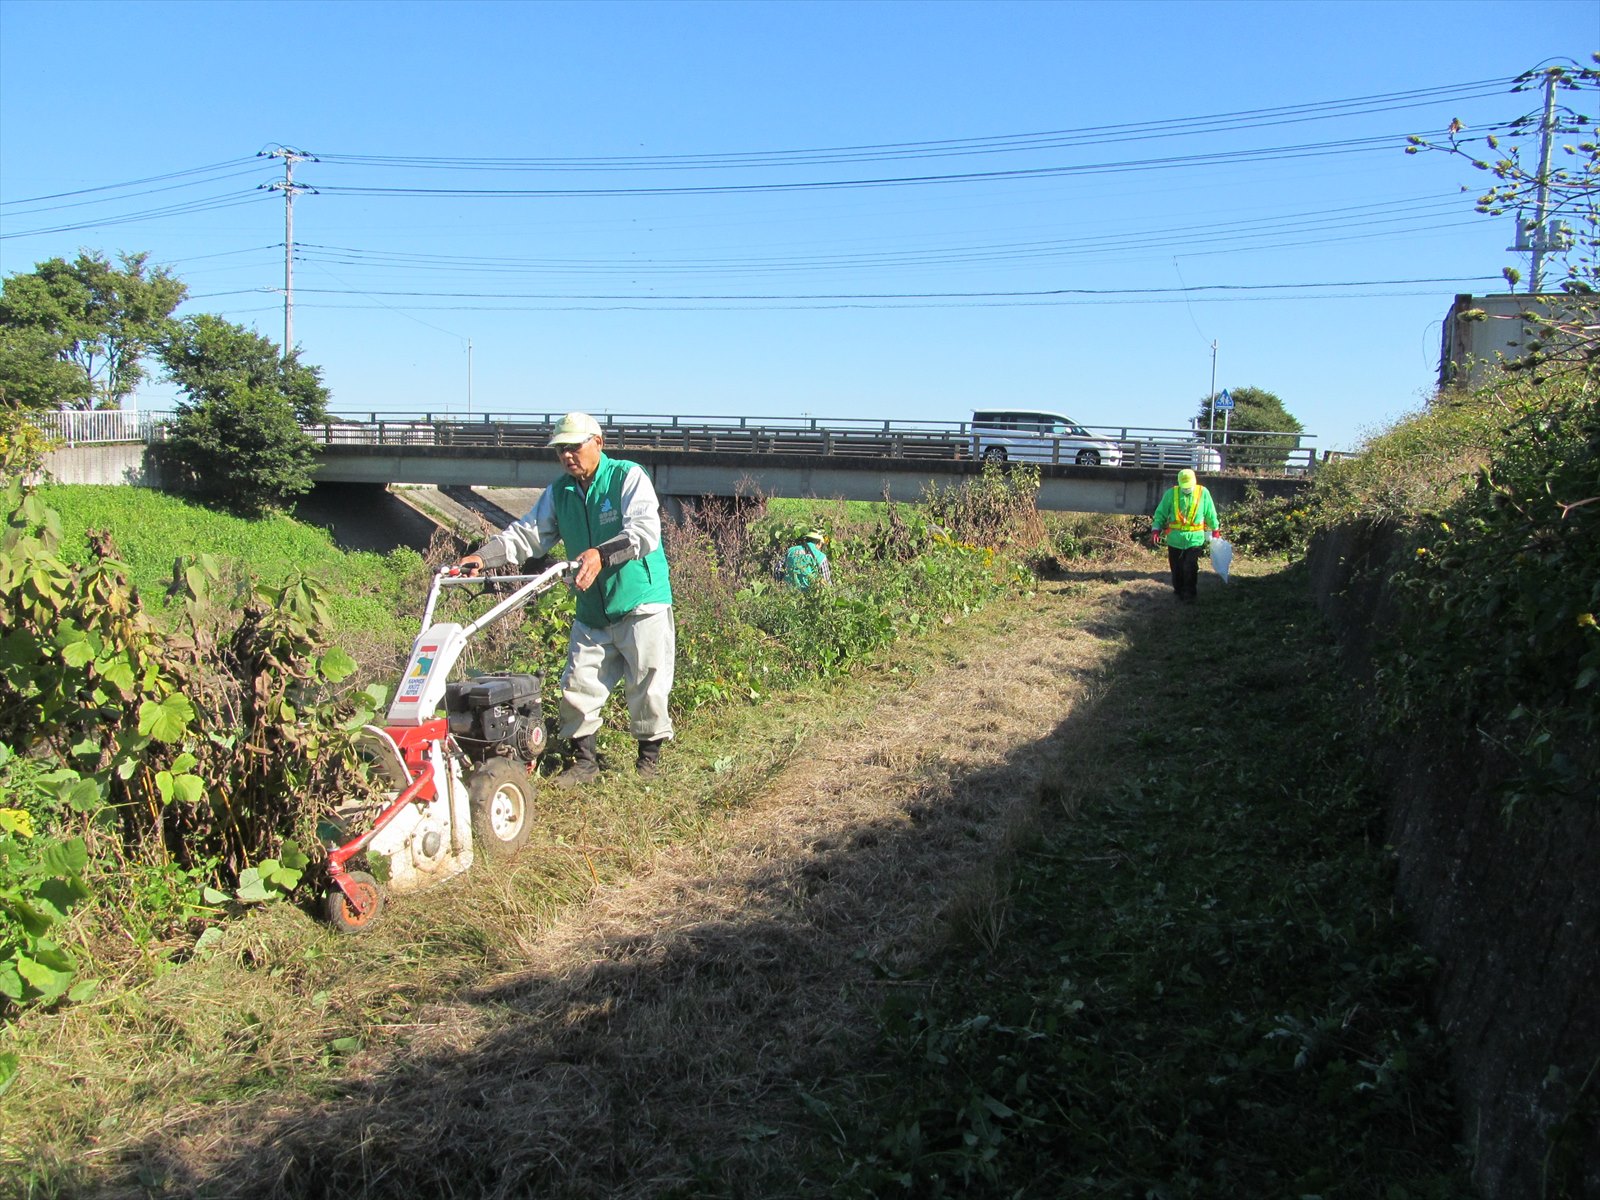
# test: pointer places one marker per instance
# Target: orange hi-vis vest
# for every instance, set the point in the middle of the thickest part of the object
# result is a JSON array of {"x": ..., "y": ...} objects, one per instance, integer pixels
[{"x": 1187, "y": 522}]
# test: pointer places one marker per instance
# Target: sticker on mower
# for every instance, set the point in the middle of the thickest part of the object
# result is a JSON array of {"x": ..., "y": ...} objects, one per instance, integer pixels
[{"x": 412, "y": 687}]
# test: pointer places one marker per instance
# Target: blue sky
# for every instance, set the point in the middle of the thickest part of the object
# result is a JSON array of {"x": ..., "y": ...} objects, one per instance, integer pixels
[{"x": 711, "y": 267}]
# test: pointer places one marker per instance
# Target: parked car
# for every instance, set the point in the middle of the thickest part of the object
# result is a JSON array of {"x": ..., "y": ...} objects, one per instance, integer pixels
[{"x": 1028, "y": 435}]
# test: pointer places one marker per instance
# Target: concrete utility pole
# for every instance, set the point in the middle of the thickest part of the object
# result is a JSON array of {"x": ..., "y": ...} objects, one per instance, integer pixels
[
  {"x": 1213, "y": 401},
  {"x": 1541, "y": 205},
  {"x": 290, "y": 189}
]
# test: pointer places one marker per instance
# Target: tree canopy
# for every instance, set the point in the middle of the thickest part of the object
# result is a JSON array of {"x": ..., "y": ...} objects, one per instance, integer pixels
[
  {"x": 95, "y": 319},
  {"x": 1260, "y": 432},
  {"x": 207, "y": 357},
  {"x": 237, "y": 440}
]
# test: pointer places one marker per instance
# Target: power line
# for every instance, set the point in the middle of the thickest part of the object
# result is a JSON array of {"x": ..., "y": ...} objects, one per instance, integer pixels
[
  {"x": 109, "y": 187},
  {"x": 1050, "y": 292},
  {"x": 1002, "y": 143}
]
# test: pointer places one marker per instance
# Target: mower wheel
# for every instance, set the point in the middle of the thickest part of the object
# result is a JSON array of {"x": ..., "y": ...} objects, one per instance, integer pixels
[
  {"x": 501, "y": 792},
  {"x": 346, "y": 918}
]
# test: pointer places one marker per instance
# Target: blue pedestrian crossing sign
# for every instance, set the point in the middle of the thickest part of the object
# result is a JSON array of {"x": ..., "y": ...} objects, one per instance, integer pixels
[{"x": 1224, "y": 399}]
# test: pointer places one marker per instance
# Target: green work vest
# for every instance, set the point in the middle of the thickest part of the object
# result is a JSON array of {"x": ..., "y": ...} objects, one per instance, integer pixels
[{"x": 586, "y": 520}]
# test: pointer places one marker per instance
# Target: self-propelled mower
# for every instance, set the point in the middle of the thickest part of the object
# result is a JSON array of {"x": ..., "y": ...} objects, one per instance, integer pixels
[{"x": 457, "y": 786}]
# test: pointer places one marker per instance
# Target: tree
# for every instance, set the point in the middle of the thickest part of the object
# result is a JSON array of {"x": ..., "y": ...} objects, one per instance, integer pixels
[
  {"x": 100, "y": 320},
  {"x": 237, "y": 440},
  {"x": 1261, "y": 431},
  {"x": 34, "y": 374},
  {"x": 1557, "y": 211},
  {"x": 206, "y": 356}
]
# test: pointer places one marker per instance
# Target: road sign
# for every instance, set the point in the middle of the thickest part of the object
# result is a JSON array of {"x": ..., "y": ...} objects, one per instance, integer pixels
[{"x": 1224, "y": 400}]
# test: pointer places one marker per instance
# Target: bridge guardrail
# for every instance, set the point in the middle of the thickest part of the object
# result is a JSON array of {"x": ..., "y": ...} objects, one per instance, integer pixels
[{"x": 845, "y": 437}]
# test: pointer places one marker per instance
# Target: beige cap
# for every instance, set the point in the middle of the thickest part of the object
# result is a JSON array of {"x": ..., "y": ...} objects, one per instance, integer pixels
[{"x": 574, "y": 428}]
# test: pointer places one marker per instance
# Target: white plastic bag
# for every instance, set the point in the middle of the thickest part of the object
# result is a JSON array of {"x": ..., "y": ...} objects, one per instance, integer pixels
[{"x": 1221, "y": 556}]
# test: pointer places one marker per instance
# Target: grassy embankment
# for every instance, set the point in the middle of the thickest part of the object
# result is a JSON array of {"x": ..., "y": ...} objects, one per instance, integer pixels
[{"x": 1191, "y": 982}]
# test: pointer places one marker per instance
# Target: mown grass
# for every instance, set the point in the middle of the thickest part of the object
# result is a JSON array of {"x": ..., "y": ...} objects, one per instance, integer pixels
[{"x": 1193, "y": 983}]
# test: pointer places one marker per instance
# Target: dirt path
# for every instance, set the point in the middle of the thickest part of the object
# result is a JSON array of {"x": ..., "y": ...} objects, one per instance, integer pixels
[{"x": 663, "y": 1038}]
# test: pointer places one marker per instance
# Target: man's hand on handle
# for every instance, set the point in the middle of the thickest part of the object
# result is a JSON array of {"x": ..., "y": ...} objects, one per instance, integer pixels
[
  {"x": 589, "y": 565},
  {"x": 470, "y": 565}
]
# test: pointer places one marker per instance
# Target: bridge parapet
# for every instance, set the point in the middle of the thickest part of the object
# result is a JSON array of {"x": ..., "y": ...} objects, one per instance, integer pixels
[{"x": 1288, "y": 453}]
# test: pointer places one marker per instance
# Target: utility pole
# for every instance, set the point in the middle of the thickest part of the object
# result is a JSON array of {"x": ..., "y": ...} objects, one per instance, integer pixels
[
  {"x": 1541, "y": 205},
  {"x": 290, "y": 189},
  {"x": 1212, "y": 402},
  {"x": 469, "y": 379}
]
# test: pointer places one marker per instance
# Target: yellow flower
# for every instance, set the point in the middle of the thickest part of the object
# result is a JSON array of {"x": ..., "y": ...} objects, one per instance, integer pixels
[
  {"x": 1586, "y": 619},
  {"x": 16, "y": 820},
  {"x": 1422, "y": 552}
]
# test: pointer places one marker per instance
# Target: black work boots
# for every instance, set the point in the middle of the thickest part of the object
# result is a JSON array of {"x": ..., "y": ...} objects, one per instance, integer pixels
[
  {"x": 649, "y": 760},
  {"x": 585, "y": 765}
]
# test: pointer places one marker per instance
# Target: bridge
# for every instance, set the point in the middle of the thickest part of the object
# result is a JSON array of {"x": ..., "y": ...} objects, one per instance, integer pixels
[{"x": 694, "y": 457}]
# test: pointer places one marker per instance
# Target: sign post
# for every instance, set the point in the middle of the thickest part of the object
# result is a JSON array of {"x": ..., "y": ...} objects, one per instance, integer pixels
[{"x": 1224, "y": 402}]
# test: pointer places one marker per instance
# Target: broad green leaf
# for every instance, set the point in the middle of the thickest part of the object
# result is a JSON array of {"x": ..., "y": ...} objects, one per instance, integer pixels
[
  {"x": 252, "y": 888},
  {"x": 167, "y": 721},
  {"x": 82, "y": 990},
  {"x": 83, "y": 796},
  {"x": 336, "y": 665},
  {"x": 209, "y": 940},
  {"x": 65, "y": 858},
  {"x": 77, "y": 653},
  {"x": 191, "y": 789},
  {"x": 48, "y": 981},
  {"x": 118, "y": 672},
  {"x": 292, "y": 856}
]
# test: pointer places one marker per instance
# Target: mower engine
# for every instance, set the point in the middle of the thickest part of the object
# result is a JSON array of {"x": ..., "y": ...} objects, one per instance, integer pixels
[{"x": 497, "y": 716}]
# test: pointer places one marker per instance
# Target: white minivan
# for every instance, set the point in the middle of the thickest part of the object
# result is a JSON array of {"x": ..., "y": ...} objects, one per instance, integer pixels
[{"x": 1028, "y": 435}]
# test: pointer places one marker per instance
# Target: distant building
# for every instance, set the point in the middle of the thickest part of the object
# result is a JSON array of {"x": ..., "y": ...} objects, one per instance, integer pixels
[{"x": 1481, "y": 333}]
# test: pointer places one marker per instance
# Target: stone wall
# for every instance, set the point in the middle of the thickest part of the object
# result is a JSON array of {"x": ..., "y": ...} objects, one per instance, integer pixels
[{"x": 1508, "y": 905}]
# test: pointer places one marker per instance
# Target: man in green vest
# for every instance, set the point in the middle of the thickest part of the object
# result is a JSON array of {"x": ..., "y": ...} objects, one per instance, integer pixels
[
  {"x": 1186, "y": 519},
  {"x": 604, "y": 510},
  {"x": 805, "y": 563}
]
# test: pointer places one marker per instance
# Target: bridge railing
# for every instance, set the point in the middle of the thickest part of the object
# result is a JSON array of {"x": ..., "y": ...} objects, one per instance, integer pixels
[
  {"x": 1244, "y": 451},
  {"x": 85, "y": 427}
]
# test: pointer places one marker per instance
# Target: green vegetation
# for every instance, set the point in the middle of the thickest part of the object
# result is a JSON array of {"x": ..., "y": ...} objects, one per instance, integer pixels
[
  {"x": 238, "y": 440},
  {"x": 1265, "y": 426},
  {"x": 1191, "y": 981},
  {"x": 1494, "y": 497},
  {"x": 77, "y": 333},
  {"x": 369, "y": 596}
]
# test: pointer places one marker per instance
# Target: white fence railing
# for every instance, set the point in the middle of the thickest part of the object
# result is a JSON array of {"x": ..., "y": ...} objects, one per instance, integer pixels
[{"x": 80, "y": 427}]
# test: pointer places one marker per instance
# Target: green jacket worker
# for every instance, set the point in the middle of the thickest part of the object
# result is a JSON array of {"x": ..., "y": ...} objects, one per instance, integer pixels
[
  {"x": 604, "y": 510},
  {"x": 805, "y": 563},
  {"x": 1186, "y": 519}
]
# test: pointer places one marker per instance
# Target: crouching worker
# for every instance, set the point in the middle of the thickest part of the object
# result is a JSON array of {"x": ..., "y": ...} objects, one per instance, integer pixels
[
  {"x": 805, "y": 563},
  {"x": 604, "y": 510}
]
